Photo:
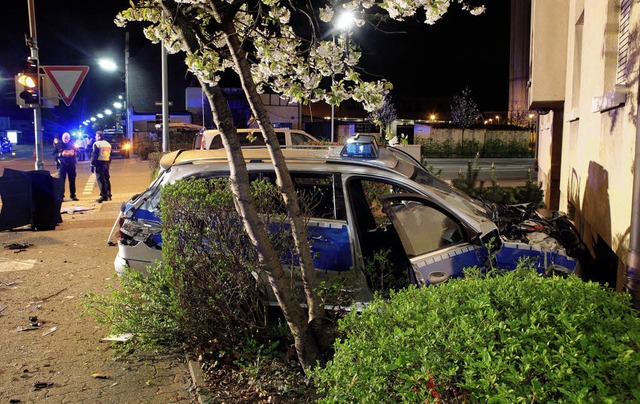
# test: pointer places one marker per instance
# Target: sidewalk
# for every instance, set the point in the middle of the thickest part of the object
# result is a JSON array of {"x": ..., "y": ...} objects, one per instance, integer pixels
[{"x": 62, "y": 359}]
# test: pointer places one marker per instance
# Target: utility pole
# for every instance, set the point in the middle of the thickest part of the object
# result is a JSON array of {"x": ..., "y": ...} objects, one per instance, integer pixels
[
  {"x": 127, "y": 101},
  {"x": 165, "y": 100},
  {"x": 32, "y": 43}
]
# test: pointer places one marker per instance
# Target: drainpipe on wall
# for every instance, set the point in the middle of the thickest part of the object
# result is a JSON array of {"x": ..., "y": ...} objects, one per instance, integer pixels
[{"x": 632, "y": 272}]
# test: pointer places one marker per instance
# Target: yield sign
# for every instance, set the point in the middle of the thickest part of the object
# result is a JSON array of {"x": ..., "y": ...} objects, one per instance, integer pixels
[{"x": 66, "y": 79}]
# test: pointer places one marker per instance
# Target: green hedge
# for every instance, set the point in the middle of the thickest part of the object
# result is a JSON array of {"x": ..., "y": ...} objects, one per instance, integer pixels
[
  {"x": 492, "y": 148},
  {"x": 517, "y": 338}
]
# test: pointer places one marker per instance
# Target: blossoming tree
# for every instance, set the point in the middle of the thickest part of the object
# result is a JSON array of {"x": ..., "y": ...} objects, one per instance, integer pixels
[{"x": 283, "y": 47}]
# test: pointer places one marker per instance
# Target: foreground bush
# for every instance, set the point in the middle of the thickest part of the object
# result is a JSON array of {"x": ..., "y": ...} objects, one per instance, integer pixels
[
  {"x": 205, "y": 289},
  {"x": 144, "y": 305},
  {"x": 517, "y": 338}
]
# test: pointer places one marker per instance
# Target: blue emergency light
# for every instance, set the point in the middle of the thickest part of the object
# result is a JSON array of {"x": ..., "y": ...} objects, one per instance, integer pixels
[{"x": 360, "y": 146}]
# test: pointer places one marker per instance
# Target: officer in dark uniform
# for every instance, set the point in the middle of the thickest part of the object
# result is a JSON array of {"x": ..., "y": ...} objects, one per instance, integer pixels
[{"x": 65, "y": 155}]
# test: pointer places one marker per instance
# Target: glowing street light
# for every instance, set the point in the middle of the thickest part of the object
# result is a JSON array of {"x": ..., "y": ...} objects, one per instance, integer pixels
[
  {"x": 343, "y": 23},
  {"x": 345, "y": 20},
  {"x": 107, "y": 64}
]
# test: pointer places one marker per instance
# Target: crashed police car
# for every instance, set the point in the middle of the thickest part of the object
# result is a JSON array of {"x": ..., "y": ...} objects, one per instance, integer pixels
[{"x": 372, "y": 197}]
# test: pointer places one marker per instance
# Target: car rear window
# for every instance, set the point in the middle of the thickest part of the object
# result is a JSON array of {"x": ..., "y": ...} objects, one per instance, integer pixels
[{"x": 114, "y": 138}]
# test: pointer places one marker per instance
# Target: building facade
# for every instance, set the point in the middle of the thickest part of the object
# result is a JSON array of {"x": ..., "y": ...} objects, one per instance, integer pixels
[{"x": 583, "y": 81}]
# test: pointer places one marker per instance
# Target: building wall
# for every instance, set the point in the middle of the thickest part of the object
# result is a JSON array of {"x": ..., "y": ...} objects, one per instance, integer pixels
[
  {"x": 548, "y": 51},
  {"x": 519, "y": 54},
  {"x": 599, "y": 121}
]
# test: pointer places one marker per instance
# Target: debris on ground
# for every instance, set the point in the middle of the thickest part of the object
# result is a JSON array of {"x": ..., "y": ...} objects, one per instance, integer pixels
[
  {"x": 42, "y": 385},
  {"x": 53, "y": 295},
  {"x": 72, "y": 209},
  {"x": 33, "y": 321},
  {"x": 50, "y": 331},
  {"x": 118, "y": 338},
  {"x": 18, "y": 246},
  {"x": 99, "y": 376},
  {"x": 11, "y": 283}
]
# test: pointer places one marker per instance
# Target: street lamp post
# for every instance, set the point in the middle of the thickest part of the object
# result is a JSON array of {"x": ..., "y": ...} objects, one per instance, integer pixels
[
  {"x": 343, "y": 24},
  {"x": 110, "y": 65},
  {"x": 127, "y": 104},
  {"x": 32, "y": 43}
]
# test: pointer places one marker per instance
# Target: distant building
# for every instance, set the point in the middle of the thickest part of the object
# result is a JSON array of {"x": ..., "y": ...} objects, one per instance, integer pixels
[{"x": 583, "y": 80}]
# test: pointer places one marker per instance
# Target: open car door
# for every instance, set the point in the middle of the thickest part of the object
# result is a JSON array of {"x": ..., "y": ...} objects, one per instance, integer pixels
[{"x": 436, "y": 242}]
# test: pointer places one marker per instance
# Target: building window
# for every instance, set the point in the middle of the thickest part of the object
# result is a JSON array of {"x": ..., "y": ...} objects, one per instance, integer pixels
[
  {"x": 623, "y": 41},
  {"x": 616, "y": 57}
]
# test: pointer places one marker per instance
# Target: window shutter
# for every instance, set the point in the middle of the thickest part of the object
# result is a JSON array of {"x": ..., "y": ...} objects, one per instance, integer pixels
[{"x": 623, "y": 41}]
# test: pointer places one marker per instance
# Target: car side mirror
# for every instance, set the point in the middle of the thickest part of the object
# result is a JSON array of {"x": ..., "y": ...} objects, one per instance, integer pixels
[{"x": 492, "y": 241}]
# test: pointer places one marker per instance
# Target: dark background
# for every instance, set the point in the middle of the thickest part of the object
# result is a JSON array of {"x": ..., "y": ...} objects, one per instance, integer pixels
[{"x": 423, "y": 61}]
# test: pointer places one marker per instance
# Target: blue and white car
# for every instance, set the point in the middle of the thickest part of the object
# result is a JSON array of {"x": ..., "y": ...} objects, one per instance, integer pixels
[{"x": 372, "y": 198}]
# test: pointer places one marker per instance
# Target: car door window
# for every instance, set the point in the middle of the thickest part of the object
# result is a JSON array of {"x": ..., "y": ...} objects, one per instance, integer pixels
[
  {"x": 385, "y": 263},
  {"x": 422, "y": 227},
  {"x": 299, "y": 139},
  {"x": 251, "y": 139}
]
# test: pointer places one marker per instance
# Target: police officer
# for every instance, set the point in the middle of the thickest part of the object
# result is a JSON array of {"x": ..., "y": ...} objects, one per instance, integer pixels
[
  {"x": 100, "y": 162},
  {"x": 65, "y": 155}
]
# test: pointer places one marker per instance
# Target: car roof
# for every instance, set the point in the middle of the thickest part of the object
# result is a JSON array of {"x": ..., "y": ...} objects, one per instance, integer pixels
[
  {"x": 184, "y": 125},
  {"x": 312, "y": 154},
  {"x": 255, "y": 130}
]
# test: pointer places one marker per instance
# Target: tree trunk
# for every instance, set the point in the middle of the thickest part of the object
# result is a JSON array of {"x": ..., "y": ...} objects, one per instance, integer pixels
[
  {"x": 316, "y": 311},
  {"x": 308, "y": 334}
]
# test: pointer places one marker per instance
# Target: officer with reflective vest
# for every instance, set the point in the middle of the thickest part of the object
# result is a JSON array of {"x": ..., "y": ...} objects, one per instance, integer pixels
[{"x": 100, "y": 162}]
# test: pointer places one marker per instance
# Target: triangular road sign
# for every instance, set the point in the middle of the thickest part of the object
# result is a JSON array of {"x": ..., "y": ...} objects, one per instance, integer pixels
[{"x": 66, "y": 79}]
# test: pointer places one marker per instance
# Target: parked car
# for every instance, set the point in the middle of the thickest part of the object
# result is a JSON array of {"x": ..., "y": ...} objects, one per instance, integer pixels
[
  {"x": 372, "y": 198},
  {"x": 120, "y": 145},
  {"x": 211, "y": 139}
]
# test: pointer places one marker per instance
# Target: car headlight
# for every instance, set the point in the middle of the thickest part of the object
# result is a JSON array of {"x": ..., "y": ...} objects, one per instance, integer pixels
[{"x": 126, "y": 146}]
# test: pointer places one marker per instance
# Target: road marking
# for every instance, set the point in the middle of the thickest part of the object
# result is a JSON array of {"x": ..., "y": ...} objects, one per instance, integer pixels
[
  {"x": 7, "y": 265},
  {"x": 88, "y": 187}
]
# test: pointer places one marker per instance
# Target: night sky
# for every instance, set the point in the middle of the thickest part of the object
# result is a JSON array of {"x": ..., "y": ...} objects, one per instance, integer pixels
[{"x": 430, "y": 61}]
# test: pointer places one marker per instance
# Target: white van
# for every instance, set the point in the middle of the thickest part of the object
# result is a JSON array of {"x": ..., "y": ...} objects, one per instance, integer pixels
[{"x": 211, "y": 140}]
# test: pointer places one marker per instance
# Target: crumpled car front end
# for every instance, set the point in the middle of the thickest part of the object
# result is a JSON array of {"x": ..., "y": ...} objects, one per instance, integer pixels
[{"x": 140, "y": 231}]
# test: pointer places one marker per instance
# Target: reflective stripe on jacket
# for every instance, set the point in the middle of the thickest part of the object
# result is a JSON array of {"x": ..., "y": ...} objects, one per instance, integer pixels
[{"x": 101, "y": 151}]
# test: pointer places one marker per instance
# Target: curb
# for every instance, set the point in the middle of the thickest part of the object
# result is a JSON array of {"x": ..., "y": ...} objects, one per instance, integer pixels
[{"x": 197, "y": 379}]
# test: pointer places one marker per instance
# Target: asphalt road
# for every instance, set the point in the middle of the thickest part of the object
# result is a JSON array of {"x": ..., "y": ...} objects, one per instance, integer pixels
[
  {"x": 62, "y": 359},
  {"x": 508, "y": 171}
]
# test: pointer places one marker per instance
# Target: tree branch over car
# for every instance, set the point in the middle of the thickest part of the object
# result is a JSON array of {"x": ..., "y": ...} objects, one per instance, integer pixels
[{"x": 259, "y": 42}]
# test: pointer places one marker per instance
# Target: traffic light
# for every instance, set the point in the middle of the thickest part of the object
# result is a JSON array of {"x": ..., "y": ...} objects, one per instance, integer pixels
[{"x": 28, "y": 85}]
